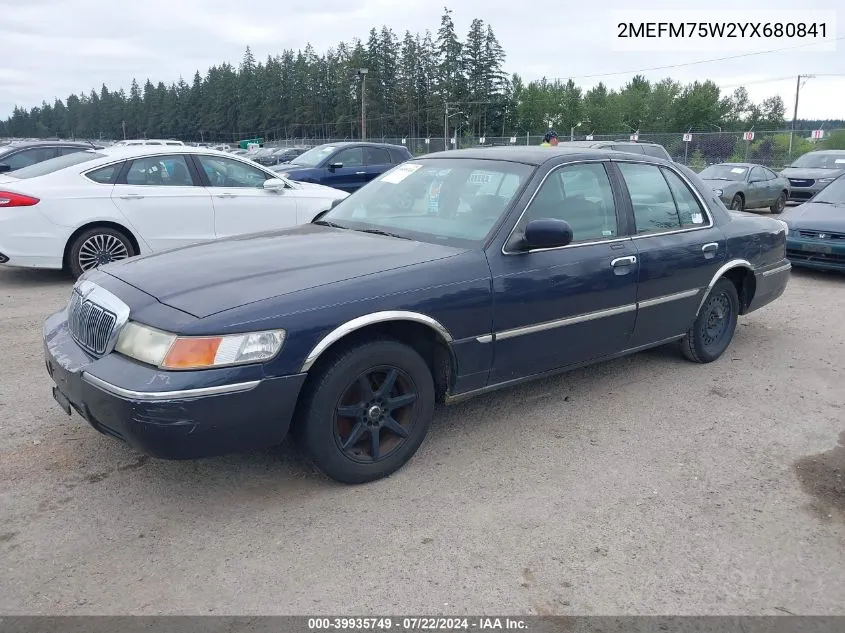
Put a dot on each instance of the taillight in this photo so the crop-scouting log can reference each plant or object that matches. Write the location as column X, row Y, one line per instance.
column 10, row 199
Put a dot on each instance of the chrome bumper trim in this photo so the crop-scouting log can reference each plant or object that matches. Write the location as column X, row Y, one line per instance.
column 181, row 394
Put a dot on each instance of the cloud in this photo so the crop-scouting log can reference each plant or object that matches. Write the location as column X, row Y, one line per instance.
column 71, row 46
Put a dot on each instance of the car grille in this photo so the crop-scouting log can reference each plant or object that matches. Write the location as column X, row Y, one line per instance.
column 90, row 325
column 801, row 182
column 822, row 235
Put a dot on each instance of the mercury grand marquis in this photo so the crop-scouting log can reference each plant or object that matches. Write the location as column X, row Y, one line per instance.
column 448, row 276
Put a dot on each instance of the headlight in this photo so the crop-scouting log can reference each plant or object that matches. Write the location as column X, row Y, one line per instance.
column 784, row 224
column 826, row 180
column 170, row 351
column 718, row 192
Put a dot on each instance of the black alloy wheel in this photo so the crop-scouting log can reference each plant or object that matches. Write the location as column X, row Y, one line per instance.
column 365, row 410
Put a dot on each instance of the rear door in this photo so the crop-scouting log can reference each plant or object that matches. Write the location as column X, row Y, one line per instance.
column 376, row 162
column 678, row 246
column 241, row 204
column 163, row 200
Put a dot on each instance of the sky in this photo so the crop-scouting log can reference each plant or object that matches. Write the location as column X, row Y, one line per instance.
column 61, row 47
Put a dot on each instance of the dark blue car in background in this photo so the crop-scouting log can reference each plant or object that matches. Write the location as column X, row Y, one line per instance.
column 449, row 276
column 347, row 166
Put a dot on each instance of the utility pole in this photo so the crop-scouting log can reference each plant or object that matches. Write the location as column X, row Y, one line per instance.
column 795, row 110
column 446, row 127
column 362, row 73
column 123, row 124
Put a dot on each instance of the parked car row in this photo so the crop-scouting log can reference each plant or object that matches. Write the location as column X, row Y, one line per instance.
column 91, row 207
column 446, row 277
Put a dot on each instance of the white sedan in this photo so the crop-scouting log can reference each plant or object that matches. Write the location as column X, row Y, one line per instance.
column 92, row 207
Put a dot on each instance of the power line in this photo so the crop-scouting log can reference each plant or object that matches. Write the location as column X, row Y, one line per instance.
column 701, row 61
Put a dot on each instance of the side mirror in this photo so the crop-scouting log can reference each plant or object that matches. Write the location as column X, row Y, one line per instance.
column 546, row 233
column 4, row 168
column 336, row 202
column 275, row 184
column 333, row 166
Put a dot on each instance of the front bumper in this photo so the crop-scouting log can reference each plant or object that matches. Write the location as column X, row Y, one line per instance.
column 815, row 253
column 170, row 415
column 800, row 193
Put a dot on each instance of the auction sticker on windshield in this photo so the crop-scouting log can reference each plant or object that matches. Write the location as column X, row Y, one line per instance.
column 738, row 170
column 400, row 173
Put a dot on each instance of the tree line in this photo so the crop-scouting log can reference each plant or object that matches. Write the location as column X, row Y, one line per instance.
column 414, row 86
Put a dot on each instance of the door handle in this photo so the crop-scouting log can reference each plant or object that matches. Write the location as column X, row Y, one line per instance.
column 132, row 196
column 225, row 195
column 623, row 261
column 712, row 246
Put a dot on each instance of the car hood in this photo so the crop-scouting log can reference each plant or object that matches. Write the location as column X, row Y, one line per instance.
column 808, row 173
column 207, row 278
column 817, row 217
column 313, row 186
column 292, row 171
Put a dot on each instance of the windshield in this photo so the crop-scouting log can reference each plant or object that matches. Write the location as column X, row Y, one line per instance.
column 314, row 157
column 441, row 200
column 834, row 193
column 821, row 160
column 55, row 164
column 723, row 172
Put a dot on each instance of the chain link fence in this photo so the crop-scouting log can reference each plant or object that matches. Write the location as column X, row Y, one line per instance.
column 695, row 149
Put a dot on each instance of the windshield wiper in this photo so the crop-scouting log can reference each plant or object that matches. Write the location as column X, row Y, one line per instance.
column 380, row 232
column 331, row 224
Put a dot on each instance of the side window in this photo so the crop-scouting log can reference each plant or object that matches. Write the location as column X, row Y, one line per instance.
column 770, row 175
column 105, row 175
column 756, row 175
column 225, row 172
column 581, row 195
column 352, row 157
column 376, row 156
column 29, row 157
column 651, row 198
column 689, row 210
column 159, row 171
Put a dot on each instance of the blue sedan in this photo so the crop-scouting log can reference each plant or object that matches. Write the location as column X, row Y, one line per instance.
column 347, row 166
column 447, row 277
column 817, row 229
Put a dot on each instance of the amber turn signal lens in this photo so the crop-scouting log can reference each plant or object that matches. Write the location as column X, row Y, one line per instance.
column 192, row 352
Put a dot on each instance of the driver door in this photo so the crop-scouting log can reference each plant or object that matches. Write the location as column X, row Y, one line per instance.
column 352, row 175
column 241, row 204
column 562, row 306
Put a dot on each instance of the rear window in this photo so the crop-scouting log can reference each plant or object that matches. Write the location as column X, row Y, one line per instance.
column 658, row 151
column 55, row 164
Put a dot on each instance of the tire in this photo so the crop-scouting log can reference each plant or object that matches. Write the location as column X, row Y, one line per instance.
column 710, row 335
column 738, row 203
column 96, row 246
column 779, row 204
column 337, row 418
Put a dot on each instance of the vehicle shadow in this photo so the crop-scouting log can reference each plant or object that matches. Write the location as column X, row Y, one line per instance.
column 28, row 277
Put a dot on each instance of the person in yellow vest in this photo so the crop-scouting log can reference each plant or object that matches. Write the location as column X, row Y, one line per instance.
column 550, row 139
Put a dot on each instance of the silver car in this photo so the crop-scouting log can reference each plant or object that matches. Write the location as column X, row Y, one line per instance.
column 747, row 186
column 812, row 172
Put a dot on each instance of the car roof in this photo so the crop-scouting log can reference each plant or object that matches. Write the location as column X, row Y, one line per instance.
column 749, row 165
column 606, row 142
column 828, row 151
column 365, row 143
column 40, row 142
column 528, row 154
column 132, row 151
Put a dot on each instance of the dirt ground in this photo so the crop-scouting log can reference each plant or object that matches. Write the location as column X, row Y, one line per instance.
column 646, row 485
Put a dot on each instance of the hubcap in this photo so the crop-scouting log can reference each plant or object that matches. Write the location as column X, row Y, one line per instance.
column 375, row 414
column 101, row 249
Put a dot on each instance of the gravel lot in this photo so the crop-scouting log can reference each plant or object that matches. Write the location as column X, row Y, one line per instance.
column 643, row 485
